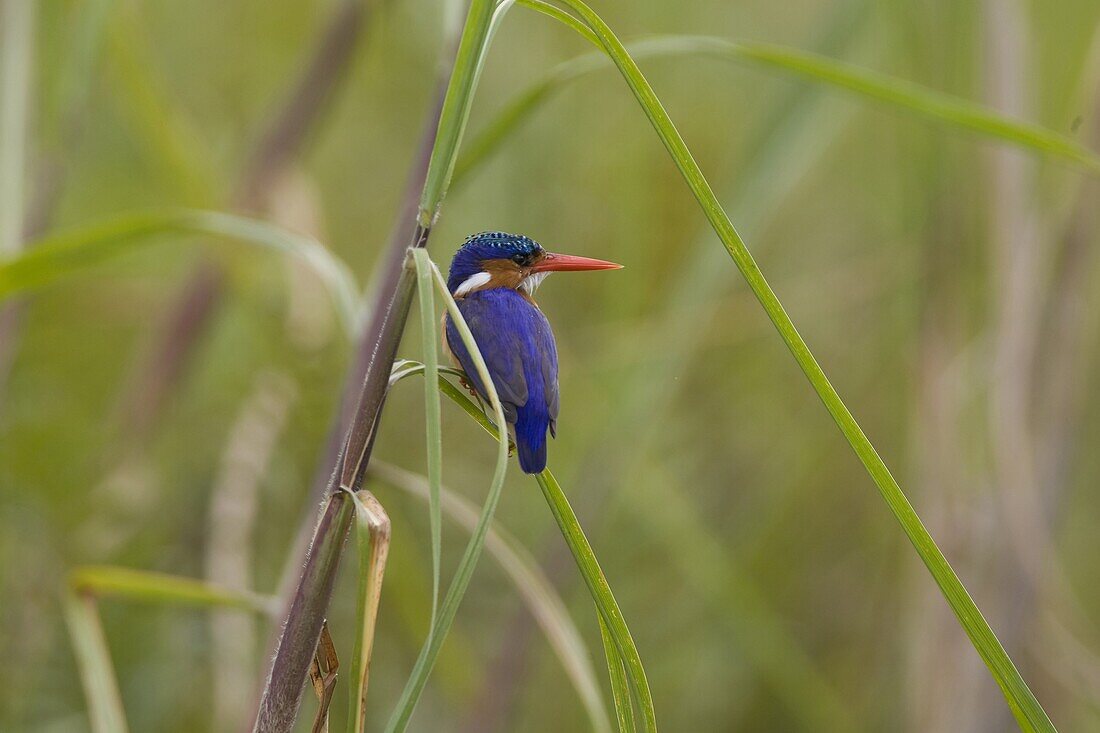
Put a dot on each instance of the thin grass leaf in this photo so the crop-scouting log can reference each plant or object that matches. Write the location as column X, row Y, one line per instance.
column 532, row 584
column 457, row 589
column 141, row 585
column 93, row 663
column 1027, row 710
column 882, row 88
column 558, row 14
column 620, row 689
column 456, row 108
column 601, row 594
column 16, row 61
column 93, row 657
column 432, row 419
column 791, row 139
column 372, row 537
column 69, row 253
column 586, row 560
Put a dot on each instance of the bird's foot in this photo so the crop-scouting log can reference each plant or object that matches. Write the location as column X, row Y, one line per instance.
column 468, row 387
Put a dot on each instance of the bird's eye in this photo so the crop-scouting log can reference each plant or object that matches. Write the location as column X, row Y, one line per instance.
column 519, row 258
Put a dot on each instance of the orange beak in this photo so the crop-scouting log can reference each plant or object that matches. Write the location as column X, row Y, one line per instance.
column 552, row 262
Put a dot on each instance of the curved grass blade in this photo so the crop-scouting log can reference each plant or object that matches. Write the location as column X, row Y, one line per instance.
column 1026, row 708
column 372, row 537
column 436, row 635
column 432, row 419
column 624, row 713
column 904, row 95
column 801, row 127
column 558, row 14
column 532, row 584
column 93, row 657
column 68, row 253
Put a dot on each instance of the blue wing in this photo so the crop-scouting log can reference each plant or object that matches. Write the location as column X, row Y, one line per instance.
column 518, row 345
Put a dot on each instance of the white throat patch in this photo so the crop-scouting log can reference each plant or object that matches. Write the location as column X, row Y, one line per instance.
column 531, row 283
column 472, row 283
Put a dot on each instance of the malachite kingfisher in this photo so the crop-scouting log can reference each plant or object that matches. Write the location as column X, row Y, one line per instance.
column 493, row 279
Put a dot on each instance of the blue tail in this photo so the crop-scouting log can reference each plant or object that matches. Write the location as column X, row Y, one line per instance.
column 531, row 440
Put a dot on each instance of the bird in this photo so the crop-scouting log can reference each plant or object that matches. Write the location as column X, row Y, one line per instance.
column 493, row 278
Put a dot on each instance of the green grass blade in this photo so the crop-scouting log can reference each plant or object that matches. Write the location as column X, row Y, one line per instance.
column 68, row 253
column 407, row 368
column 624, row 712
column 434, row 428
column 372, row 538
column 457, row 589
column 456, row 107
column 1029, row 713
column 558, row 14
column 601, row 594
column 877, row 87
column 16, row 62
column 790, row 141
column 141, row 585
column 93, row 662
column 532, row 584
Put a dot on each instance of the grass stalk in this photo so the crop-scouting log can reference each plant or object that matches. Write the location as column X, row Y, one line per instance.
column 457, row 589
column 308, row 604
column 432, row 419
column 620, row 690
column 601, row 593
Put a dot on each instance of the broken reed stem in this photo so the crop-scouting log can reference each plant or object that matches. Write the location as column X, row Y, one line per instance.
column 357, row 373
column 336, row 511
column 298, row 640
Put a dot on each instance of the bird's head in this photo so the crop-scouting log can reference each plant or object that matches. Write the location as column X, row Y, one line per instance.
column 502, row 260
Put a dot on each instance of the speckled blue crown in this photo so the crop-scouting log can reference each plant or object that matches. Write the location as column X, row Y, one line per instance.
column 487, row 246
column 512, row 243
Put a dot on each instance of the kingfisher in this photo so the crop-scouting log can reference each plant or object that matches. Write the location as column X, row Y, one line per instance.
column 493, row 278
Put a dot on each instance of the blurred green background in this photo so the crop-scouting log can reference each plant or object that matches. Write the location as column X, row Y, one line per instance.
column 945, row 282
